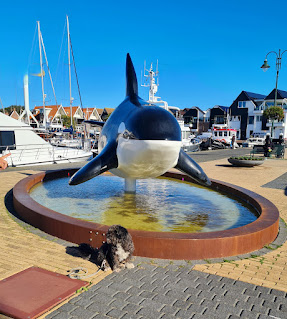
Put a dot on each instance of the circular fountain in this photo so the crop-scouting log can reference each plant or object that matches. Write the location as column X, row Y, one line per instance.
column 190, row 238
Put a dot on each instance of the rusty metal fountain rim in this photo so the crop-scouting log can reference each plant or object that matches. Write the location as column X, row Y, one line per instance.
column 268, row 213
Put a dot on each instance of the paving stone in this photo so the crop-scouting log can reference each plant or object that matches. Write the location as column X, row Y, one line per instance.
column 59, row 315
column 170, row 310
column 259, row 309
column 151, row 304
column 184, row 314
column 248, row 314
column 264, row 290
column 70, row 307
column 75, row 299
column 99, row 308
column 167, row 316
column 182, row 304
column 277, row 313
column 117, row 303
column 147, row 294
column 133, row 283
column 131, row 308
column 52, row 315
column 83, row 313
column 147, row 287
column 243, row 305
column 116, row 313
column 271, row 304
column 266, row 317
column 134, row 291
column 196, row 308
column 98, row 316
column 278, row 293
column 180, row 286
column 101, row 298
column 283, row 307
column 120, row 286
column 131, row 316
column 149, row 313
column 252, row 292
column 135, row 299
column 84, row 302
column 167, row 300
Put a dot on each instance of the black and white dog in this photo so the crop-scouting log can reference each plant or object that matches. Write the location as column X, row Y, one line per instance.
column 115, row 253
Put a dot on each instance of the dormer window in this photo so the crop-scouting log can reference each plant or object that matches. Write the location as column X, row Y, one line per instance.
column 242, row 104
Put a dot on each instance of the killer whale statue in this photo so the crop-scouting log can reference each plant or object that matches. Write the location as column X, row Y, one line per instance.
column 139, row 140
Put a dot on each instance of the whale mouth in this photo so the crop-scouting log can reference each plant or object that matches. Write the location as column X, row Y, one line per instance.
column 145, row 158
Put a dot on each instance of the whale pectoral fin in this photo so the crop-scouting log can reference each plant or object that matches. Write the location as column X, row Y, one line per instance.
column 105, row 161
column 187, row 165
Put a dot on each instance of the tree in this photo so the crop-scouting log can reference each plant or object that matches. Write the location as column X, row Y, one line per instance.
column 67, row 121
column 10, row 109
column 273, row 113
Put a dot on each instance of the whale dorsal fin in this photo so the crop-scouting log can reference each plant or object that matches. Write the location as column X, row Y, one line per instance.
column 132, row 82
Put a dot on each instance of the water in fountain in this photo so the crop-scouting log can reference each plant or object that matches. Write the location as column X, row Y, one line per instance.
column 160, row 204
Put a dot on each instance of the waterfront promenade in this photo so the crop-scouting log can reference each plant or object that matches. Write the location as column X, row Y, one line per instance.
column 252, row 286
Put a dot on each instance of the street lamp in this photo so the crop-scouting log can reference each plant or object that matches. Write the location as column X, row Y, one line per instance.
column 265, row 67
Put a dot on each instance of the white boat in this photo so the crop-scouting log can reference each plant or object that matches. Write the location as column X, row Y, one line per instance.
column 152, row 83
column 192, row 145
column 223, row 134
column 27, row 148
column 250, row 142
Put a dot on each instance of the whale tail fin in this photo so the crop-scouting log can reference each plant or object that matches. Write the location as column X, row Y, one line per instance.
column 132, row 82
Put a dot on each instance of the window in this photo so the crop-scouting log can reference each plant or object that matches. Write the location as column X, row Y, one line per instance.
column 225, row 133
column 219, row 119
column 7, row 139
column 242, row 104
column 250, row 119
column 258, row 118
column 220, row 133
column 215, row 133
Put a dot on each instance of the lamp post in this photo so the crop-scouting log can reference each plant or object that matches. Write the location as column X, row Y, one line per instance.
column 265, row 67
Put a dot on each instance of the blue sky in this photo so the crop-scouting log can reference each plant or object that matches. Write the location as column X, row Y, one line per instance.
column 208, row 51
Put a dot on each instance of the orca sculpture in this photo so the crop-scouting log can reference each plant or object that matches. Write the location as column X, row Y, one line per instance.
column 139, row 140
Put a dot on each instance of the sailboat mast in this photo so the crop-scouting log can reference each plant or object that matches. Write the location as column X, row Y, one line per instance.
column 69, row 59
column 42, row 75
column 2, row 106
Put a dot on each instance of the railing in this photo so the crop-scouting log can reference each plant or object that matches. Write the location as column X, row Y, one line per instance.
column 40, row 153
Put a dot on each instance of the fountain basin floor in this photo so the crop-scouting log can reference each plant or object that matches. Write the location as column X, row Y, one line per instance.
column 159, row 204
column 165, row 245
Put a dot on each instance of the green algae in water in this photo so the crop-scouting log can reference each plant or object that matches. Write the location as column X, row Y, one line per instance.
column 160, row 204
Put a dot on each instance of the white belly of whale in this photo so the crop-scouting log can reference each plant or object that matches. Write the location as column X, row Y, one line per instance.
column 145, row 158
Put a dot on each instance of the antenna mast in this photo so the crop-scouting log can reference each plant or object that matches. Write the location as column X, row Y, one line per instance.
column 152, row 78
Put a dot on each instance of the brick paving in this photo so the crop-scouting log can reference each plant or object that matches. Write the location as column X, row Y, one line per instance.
column 149, row 291
column 248, row 286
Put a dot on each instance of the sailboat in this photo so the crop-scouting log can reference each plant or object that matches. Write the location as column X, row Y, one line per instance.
column 25, row 146
column 28, row 148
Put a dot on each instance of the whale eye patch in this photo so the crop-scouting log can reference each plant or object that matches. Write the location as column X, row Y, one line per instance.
column 128, row 135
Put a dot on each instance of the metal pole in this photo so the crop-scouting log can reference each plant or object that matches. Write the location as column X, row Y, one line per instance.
column 69, row 59
column 278, row 66
column 42, row 75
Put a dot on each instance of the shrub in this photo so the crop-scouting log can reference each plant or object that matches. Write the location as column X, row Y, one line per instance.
column 247, row 158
